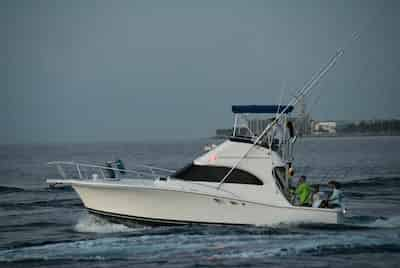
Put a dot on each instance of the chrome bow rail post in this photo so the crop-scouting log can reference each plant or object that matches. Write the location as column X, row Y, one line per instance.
column 80, row 168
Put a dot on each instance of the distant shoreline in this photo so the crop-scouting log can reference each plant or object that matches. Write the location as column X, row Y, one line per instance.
column 353, row 135
column 335, row 136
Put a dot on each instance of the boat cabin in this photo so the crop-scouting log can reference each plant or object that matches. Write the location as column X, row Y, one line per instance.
column 259, row 152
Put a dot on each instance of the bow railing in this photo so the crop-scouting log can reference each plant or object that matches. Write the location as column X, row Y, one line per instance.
column 82, row 171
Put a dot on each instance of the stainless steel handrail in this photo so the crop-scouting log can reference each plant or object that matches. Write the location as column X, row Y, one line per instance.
column 78, row 166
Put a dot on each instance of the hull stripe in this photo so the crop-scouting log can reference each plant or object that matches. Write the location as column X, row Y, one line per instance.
column 156, row 220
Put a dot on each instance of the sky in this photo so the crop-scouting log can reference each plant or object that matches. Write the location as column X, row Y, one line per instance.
column 89, row 71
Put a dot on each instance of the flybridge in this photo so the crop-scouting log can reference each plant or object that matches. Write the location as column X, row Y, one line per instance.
column 261, row 109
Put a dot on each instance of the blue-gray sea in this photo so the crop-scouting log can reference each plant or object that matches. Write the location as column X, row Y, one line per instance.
column 41, row 227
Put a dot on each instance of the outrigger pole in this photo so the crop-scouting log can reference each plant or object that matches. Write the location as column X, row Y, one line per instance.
column 302, row 92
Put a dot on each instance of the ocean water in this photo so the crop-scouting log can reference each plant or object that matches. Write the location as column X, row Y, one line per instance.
column 41, row 227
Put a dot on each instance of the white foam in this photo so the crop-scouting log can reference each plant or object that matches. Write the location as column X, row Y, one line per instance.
column 156, row 247
column 307, row 245
column 93, row 224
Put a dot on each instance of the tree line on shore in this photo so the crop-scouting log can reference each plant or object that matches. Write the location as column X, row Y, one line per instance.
column 372, row 126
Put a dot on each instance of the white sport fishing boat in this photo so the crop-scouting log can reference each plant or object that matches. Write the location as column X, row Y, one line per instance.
column 242, row 181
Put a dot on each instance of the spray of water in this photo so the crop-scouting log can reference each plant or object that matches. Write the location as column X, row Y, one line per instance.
column 92, row 224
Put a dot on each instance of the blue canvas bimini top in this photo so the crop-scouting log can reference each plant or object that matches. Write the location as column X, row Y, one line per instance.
column 260, row 109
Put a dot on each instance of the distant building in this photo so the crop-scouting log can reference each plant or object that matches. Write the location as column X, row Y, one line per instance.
column 302, row 119
column 323, row 128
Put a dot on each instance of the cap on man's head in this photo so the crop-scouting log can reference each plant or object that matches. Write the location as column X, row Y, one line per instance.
column 334, row 183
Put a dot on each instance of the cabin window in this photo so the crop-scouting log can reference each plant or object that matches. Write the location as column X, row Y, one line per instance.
column 215, row 174
column 280, row 177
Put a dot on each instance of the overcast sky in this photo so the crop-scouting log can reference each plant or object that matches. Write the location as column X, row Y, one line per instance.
column 78, row 71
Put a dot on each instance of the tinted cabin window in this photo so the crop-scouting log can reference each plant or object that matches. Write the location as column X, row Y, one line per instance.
column 279, row 173
column 281, row 180
column 215, row 174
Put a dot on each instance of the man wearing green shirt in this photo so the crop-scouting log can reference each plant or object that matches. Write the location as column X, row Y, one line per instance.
column 303, row 192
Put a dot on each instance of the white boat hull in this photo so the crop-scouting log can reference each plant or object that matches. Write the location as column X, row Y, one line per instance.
column 166, row 206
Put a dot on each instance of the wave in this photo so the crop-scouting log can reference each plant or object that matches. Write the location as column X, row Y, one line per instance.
column 11, row 189
column 344, row 246
column 381, row 222
column 154, row 249
column 94, row 224
column 370, row 222
column 57, row 203
column 8, row 189
column 319, row 245
column 375, row 189
column 41, row 224
column 16, row 246
column 351, row 223
column 371, row 182
column 340, row 249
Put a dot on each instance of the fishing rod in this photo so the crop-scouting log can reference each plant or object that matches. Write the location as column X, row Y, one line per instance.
column 300, row 93
column 303, row 92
